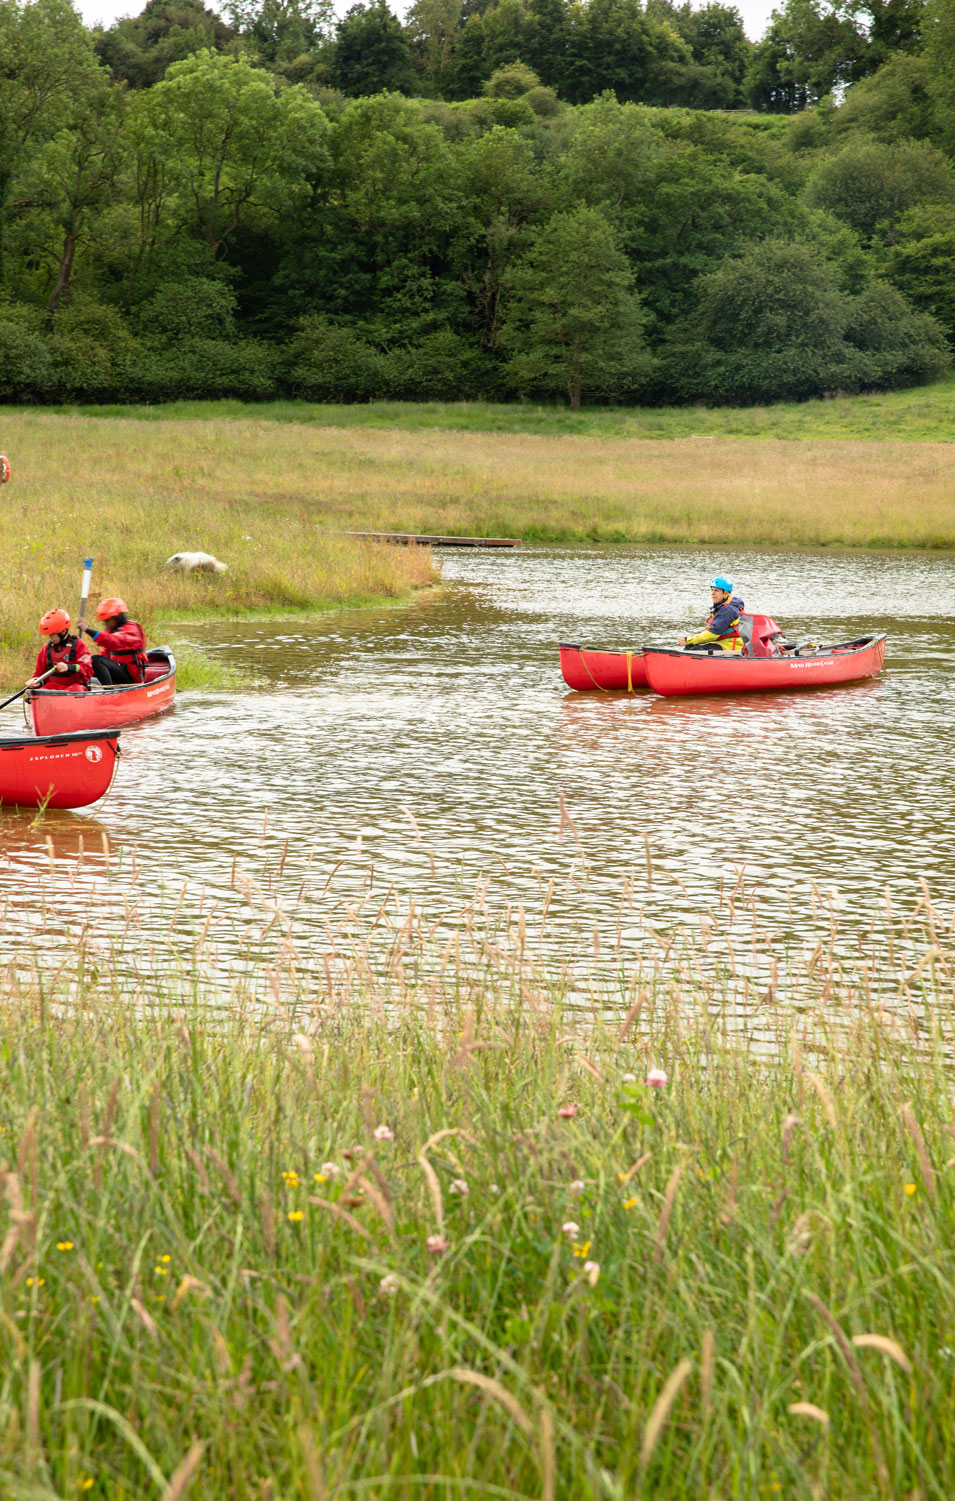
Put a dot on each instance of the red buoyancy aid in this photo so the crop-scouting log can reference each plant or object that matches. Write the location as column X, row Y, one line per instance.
column 75, row 654
column 126, row 645
column 733, row 633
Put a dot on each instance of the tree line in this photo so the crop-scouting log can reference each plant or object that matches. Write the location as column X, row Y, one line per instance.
column 526, row 198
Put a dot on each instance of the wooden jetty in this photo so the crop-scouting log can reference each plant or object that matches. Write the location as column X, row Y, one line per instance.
column 411, row 538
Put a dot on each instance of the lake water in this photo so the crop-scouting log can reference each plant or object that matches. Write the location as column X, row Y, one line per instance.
column 435, row 750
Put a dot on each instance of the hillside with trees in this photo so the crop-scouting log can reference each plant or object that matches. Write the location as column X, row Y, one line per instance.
column 604, row 200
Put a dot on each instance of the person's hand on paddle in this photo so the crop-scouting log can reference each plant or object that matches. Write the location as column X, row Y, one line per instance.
column 62, row 667
column 34, row 682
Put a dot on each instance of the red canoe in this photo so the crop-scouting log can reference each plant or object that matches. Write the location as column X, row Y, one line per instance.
column 57, row 771
column 675, row 671
column 58, row 711
column 611, row 671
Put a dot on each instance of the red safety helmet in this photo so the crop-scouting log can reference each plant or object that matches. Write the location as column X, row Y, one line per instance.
column 108, row 609
column 53, row 622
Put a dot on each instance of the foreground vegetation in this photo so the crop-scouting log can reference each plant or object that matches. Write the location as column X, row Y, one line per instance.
column 133, row 506
column 420, row 1226
column 258, row 493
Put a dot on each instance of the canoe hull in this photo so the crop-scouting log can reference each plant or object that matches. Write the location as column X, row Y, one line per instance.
column 676, row 673
column 58, row 712
column 57, row 771
column 586, row 670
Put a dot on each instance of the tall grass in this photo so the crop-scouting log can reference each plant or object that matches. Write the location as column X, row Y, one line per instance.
column 245, row 485
column 133, row 505
column 423, row 1228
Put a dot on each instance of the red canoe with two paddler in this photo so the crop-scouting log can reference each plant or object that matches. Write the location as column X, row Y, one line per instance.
column 765, row 663
column 54, row 711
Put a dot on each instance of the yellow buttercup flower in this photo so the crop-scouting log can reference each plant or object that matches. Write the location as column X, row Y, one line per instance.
column 64, row 1245
column 295, row 1215
column 36, row 1281
column 629, row 1203
column 911, row 1188
column 581, row 1249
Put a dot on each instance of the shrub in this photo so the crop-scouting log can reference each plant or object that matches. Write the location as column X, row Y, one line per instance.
column 328, row 362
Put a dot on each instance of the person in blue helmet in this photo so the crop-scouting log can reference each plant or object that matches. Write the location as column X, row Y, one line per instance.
column 722, row 628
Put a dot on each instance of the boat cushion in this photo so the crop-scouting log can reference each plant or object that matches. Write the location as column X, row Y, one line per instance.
column 156, row 670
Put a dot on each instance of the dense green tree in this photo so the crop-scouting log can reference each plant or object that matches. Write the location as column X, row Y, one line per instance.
column 433, row 27
column 940, row 58
column 47, row 73
column 810, row 48
column 720, row 52
column 505, row 195
column 236, row 142
column 869, row 185
column 140, row 48
column 893, row 104
column 613, row 44
column 372, row 53
column 921, row 260
column 572, row 323
column 545, row 41
column 282, row 30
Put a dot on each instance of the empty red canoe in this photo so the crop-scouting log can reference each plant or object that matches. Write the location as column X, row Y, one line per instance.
column 674, row 671
column 58, row 711
column 611, row 671
column 57, row 771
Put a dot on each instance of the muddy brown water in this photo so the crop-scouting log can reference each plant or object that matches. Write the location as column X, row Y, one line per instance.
column 427, row 749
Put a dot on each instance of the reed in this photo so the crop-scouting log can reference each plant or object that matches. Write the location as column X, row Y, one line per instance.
column 286, row 1222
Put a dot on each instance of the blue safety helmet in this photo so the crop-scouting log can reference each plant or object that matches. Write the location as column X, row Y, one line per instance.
column 721, row 583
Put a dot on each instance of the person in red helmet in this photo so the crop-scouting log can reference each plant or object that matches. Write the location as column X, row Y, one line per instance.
column 64, row 654
column 122, row 645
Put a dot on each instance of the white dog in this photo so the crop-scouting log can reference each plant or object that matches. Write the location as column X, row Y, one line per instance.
column 195, row 562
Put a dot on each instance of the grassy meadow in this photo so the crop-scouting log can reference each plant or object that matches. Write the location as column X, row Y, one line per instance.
column 133, row 505
column 424, row 1228
column 260, row 493
column 923, row 414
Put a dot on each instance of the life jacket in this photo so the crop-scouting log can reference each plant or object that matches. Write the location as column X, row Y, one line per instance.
column 732, row 634
column 132, row 658
column 70, row 659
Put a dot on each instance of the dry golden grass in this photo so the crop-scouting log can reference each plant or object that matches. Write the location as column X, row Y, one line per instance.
column 81, row 488
column 169, row 484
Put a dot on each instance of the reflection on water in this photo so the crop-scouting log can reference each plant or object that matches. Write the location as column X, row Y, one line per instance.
column 429, row 749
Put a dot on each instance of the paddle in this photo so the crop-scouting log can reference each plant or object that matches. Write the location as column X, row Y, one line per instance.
column 13, row 697
column 84, row 593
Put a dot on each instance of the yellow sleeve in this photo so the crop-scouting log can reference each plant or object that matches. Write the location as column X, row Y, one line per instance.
column 700, row 637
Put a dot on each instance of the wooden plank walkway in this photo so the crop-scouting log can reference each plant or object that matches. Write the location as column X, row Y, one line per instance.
column 412, row 537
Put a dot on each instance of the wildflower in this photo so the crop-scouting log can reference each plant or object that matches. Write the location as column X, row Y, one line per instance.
column 36, row 1281
column 388, row 1285
column 164, row 1259
column 495, row 1188
column 295, row 1215
column 911, row 1188
column 327, row 1170
column 570, row 1228
column 161, row 1271
column 656, row 1078
column 629, row 1203
column 582, row 1250
column 567, row 1112
column 628, row 1078
column 436, row 1244
column 292, row 1179
column 64, row 1245
column 458, row 1186
column 592, row 1272
column 384, row 1133
column 577, row 1187
column 86, row 1485
column 93, row 1298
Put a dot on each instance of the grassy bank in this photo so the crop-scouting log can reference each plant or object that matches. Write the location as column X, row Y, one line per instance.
column 427, row 1231
column 132, row 505
column 925, row 414
column 258, row 493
